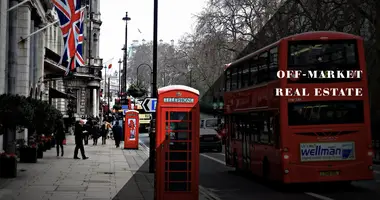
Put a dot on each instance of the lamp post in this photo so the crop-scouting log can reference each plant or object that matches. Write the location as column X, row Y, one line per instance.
column 120, row 76
column 126, row 19
column 152, row 135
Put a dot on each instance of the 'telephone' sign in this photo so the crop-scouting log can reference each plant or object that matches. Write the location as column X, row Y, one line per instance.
column 178, row 100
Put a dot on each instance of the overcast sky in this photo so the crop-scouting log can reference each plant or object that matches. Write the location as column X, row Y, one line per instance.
column 175, row 18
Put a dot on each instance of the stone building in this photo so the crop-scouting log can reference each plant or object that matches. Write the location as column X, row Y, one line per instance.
column 30, row 49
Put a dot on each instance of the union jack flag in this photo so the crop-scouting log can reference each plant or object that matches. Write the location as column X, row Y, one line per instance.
column 71, row 18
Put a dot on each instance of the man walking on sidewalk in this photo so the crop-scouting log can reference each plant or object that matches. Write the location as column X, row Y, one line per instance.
column 59, row 137
column 117, row 133
column 79, row 140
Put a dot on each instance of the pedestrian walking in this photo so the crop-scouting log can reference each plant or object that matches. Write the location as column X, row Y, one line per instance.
column 95, row 133
column 117, row 133
column 88, row 128
column 104, row 132
column 79, row 140
column 59, row 137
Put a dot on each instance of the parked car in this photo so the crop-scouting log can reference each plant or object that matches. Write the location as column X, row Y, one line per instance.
column 209, row 137
column 216, row 124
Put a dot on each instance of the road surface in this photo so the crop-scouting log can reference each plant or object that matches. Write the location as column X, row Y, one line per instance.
column 223, row 183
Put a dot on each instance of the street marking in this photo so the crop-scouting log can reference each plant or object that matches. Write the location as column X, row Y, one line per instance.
column 208, row 193
column 214, row 159
column 318, row 196
column 307, row 193
column 144, row 145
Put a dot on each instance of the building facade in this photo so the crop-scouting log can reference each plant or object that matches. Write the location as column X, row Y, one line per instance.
column 30, row 48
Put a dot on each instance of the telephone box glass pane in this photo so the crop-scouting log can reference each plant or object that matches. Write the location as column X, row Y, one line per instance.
column 176, row 176
column 179, row 116
column 179, row 146
column 178, row 186
column 177, row 156
column 178, row 166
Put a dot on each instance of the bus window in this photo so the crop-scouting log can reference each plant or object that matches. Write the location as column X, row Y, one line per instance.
column 276, row 130
column 273, row 64
column 233, row 127
column 263, row 68
column 255, row 126
column 227, row 86
column 323, row 55
column 234, row 78
column 263, row 123
column 253, row 72
column 239, row 75
column 326, row 112
column 245, row 76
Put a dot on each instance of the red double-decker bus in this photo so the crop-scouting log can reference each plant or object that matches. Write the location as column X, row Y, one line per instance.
column 295, row 139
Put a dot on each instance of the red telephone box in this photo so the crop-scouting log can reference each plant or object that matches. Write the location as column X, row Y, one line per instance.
column 131, row 129
column 177, row 143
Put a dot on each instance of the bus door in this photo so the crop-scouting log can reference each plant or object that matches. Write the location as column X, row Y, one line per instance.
column 245, row 143
column 233, row 140
column 227, row 145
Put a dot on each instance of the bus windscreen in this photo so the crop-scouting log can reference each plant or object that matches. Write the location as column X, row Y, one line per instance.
column 335, row 55
column 325, row 112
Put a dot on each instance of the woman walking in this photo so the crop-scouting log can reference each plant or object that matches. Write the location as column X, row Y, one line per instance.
column 59, row 137
column 104, row 132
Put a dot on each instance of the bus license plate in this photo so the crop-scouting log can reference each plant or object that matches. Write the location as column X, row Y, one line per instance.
column 329, row 173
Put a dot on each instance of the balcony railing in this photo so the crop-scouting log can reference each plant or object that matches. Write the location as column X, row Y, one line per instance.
column 95, row 62
column 84, row 70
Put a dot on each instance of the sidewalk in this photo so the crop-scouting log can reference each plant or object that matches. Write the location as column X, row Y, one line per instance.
column 109, row 173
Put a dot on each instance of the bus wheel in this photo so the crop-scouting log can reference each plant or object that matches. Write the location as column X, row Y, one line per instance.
column 265, row 169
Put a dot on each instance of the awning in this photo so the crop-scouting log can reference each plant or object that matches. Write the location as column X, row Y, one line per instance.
column 55, row 94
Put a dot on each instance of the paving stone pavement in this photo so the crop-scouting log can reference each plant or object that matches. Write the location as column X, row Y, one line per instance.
column 110, row 173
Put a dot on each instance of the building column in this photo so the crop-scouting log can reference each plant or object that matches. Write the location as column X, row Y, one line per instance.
column 22, row 60
column 32, row 57
column 3, row 50
column 94, row 102
column 3, row 53
column 39, row 59
column 97, row 101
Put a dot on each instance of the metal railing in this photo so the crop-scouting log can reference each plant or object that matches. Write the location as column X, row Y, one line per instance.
column 96, row 17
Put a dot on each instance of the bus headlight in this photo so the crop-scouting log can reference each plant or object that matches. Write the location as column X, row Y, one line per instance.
column 370, row 167
column 286, row 171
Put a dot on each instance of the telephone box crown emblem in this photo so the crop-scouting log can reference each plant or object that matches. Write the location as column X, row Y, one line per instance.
column 178, row 94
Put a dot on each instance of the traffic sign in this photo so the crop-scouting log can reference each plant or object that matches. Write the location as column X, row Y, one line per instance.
column 149, row 104
column 124, row 108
